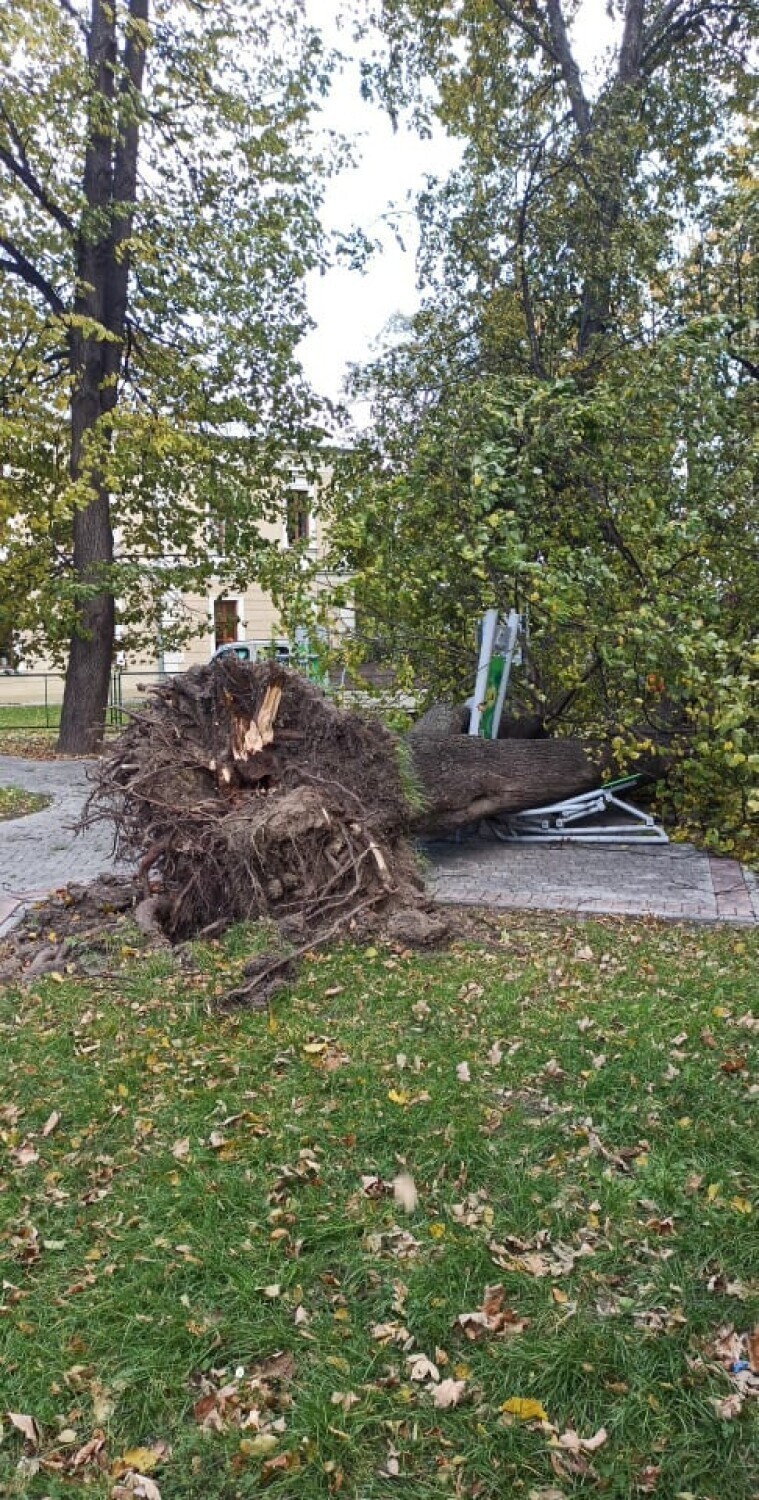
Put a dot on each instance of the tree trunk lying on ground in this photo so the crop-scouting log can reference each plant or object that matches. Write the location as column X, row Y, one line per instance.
column 465, row 779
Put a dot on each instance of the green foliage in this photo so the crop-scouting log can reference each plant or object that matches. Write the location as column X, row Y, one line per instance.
column 224, row 229
column 567, row 426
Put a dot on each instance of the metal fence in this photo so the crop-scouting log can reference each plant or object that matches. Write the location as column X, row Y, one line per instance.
column 31, row 701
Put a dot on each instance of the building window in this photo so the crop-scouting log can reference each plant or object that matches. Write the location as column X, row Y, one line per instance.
column 226, row 618
column 298, row 520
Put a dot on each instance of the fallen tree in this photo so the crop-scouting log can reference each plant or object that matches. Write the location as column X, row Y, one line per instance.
column 465, row 780
column 242, row 792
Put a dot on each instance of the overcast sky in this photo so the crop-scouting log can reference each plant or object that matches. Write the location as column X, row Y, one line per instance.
column 351, row 308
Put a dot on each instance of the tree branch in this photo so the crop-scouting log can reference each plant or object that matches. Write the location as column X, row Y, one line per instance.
column 21, row 170
column 18, row 265
column 509, row 13
column 632, row 42
column 563, row 55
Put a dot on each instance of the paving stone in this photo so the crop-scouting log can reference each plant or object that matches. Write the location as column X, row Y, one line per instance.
column 42, row 852
column 670, row 881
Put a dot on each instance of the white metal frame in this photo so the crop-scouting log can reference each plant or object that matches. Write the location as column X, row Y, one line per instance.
column 536, row 825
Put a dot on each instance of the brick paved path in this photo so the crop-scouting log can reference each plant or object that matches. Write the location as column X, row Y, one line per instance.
column 41, row 852
column 672, row 881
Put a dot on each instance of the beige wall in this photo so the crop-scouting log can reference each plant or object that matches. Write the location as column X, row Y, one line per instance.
column 258, row 621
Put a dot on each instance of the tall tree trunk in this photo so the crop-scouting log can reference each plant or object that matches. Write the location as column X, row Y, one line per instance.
column 110, row 189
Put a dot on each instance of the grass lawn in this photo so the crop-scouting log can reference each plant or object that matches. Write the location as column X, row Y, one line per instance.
column 16, row 803
column 36, row 716
column 217, row 1276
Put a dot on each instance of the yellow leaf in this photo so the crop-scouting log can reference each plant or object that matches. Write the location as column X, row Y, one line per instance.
column 559, row 1296
column 527, row 1409
column 713, row 1191
column 742, row 1205
column 437, row 1231
column 312, row 1049
column 142, row 1459
column 266, row 1442
column 398, row 1096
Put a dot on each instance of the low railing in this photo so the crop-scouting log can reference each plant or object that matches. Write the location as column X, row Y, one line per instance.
column 31, row 701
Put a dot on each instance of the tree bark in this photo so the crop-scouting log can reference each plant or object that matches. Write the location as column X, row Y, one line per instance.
column 110, row 190
column 464, row 779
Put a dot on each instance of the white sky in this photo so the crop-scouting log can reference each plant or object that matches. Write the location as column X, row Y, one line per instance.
column 351, row 308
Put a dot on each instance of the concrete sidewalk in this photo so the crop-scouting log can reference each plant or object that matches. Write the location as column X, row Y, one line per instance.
column 41, row 853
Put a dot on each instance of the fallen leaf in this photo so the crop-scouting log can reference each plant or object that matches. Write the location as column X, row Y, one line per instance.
column 525, row 1408
column 135, row 1486
column 405, row 1193
column 181, row 1149
column 492, row 1318
column 576, row 1444
column 51, row 1122
column 145, row 1459
column 25, row 1155
column 344, row 1399
column 495, row 1054
column 729, row 1407
column 259, row 1446
column 27, row 1425
column 448, row 1393
column 462, row 1072
column 753, row 1349
column 422, row 1368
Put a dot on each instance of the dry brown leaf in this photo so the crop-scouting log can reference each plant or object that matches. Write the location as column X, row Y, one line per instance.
column 729, row 1407
column 181, row 1149
column 462, row 1072
column 88, row 1451
column 27, row 1425
column 51, row 1122
column 492, row 1318
column 25, row 1155
column 576, row 1444
column 135, row 1486
column 448, row 1393
column 422, row 1368
column 753, row 1349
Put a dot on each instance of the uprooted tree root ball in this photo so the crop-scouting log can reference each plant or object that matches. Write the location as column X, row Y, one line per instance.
column 245, row 793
